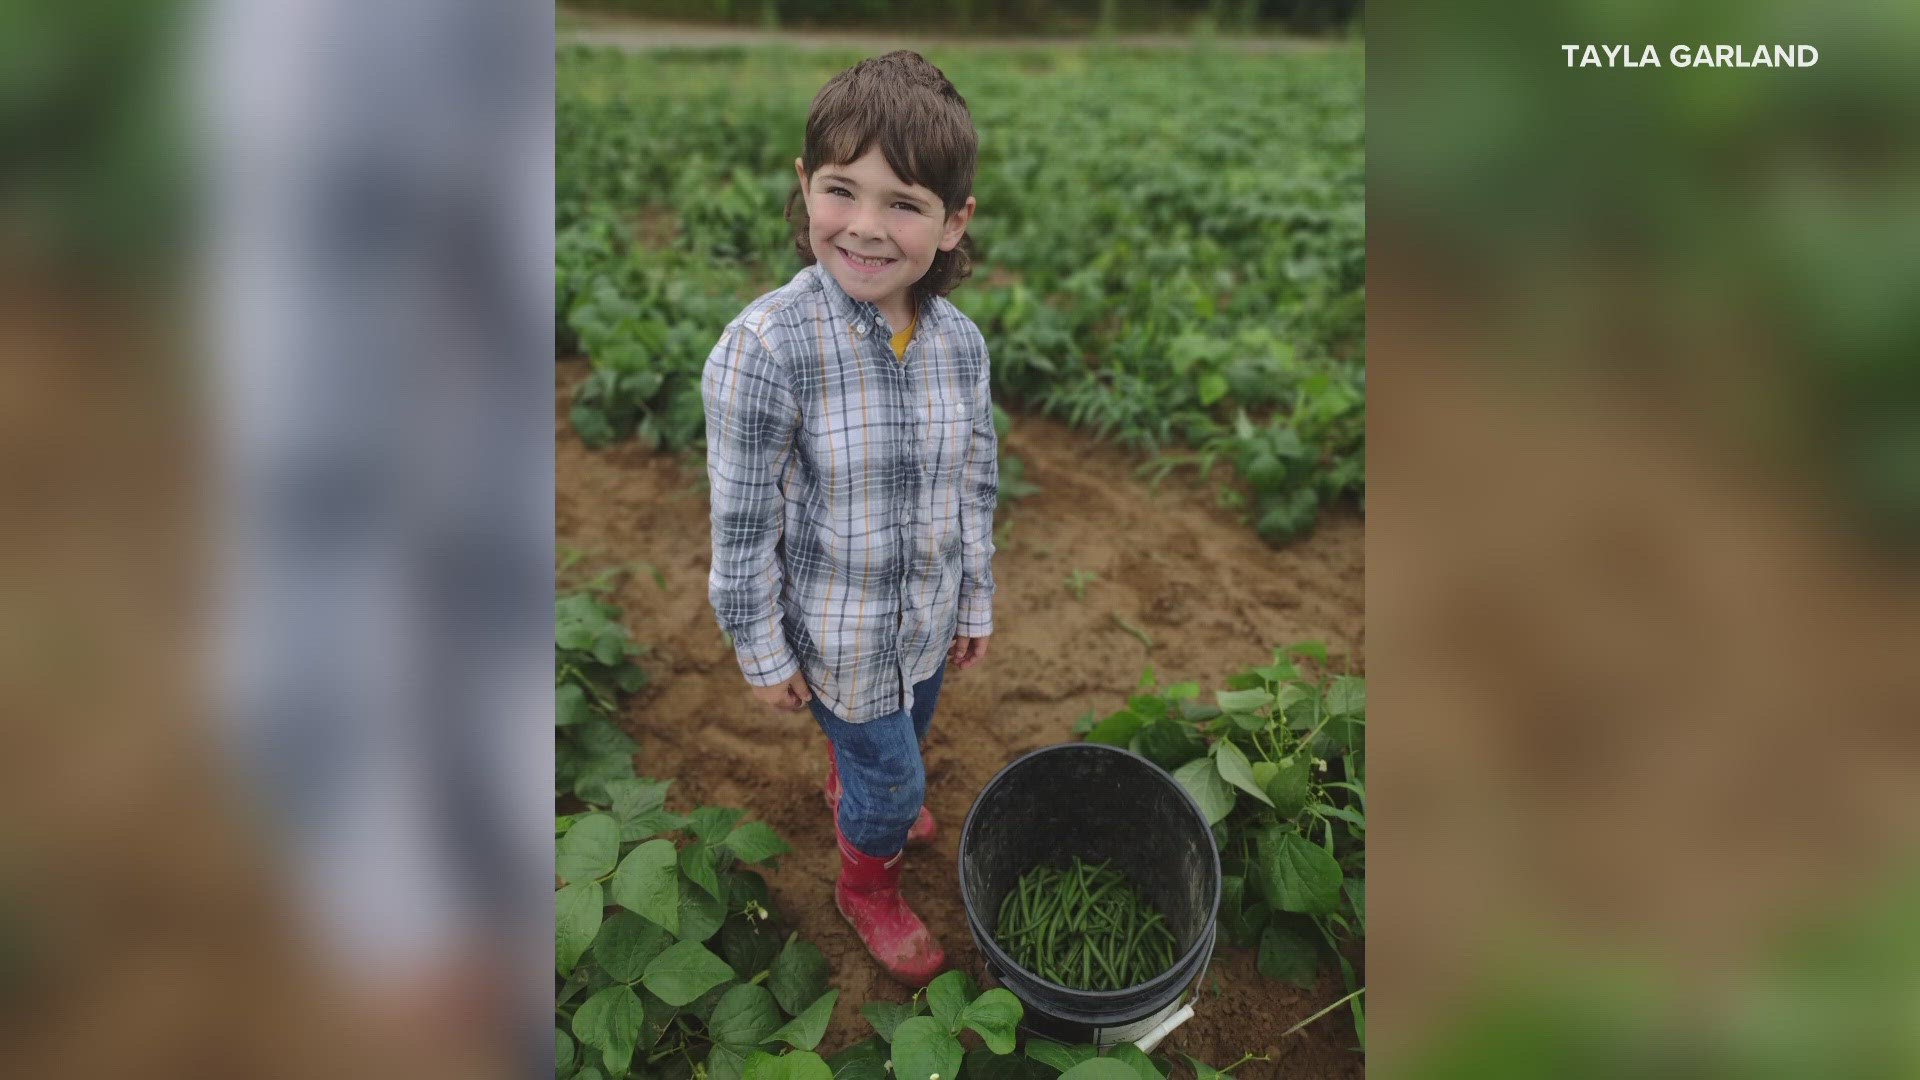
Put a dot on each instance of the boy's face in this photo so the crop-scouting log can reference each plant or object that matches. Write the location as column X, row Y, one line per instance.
column 876, row 233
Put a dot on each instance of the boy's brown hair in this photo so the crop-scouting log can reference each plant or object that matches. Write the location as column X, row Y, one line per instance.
column 907, row 107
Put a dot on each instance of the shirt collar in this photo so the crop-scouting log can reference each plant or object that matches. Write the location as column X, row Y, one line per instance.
column 853, row 312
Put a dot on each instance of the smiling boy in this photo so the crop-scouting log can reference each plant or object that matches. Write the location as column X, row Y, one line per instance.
column 854, row 470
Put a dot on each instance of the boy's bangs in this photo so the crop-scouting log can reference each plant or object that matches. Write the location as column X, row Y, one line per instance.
column 910, row 157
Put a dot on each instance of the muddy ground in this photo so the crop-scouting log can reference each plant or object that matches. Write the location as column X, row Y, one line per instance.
column 1213, row 597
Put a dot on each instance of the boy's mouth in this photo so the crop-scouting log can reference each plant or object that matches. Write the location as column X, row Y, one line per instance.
column 862, row 263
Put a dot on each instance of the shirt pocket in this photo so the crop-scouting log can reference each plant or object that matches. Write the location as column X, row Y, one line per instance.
column 948, row 437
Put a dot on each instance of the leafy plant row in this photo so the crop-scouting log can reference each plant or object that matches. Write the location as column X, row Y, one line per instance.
column 1172, row 247
column 1277, row 763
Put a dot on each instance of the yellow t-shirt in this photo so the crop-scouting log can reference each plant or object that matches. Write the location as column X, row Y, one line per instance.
column 901, row 339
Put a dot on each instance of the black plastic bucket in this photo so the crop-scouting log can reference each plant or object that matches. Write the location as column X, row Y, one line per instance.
column 1097, row 802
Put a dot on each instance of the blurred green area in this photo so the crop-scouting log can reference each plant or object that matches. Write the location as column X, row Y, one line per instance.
column 93, row 137
column 1003, row 16
column 1833, row 996
column 1171, row 244
column 1744, row 241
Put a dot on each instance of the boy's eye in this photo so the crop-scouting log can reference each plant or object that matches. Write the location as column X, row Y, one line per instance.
column 843, row 192
column 907, row 206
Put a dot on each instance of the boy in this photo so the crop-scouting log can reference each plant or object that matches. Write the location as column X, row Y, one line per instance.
column 854, row 470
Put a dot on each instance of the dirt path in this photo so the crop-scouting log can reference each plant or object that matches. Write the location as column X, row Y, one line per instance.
column 632, row 35
column 1212, row 596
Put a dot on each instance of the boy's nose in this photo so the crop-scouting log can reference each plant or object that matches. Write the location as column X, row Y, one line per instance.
column 864, row 223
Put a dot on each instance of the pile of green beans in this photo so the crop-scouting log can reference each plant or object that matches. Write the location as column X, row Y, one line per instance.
column 1083, row 928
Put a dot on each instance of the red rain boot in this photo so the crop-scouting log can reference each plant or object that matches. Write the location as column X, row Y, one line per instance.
column 923, row 829
column 868, row 896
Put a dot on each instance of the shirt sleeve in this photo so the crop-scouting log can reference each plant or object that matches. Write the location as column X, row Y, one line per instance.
column 979, row 493
column 752, row 416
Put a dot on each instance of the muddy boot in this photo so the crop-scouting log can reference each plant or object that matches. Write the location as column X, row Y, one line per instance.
column 923, row 829
column 868, row 896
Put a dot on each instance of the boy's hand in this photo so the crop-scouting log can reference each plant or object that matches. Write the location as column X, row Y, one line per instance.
column 789, row 696
column 967, row 651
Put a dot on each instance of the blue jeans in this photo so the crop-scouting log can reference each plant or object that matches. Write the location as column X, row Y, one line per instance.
column 883, row 780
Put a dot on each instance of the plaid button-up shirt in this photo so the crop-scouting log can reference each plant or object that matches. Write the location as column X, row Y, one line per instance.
column 852, row 493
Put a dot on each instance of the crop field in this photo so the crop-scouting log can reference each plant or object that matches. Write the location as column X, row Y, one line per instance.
column 1172, row 247
column 1171, row 284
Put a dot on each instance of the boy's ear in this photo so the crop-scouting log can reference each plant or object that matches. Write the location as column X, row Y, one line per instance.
column 800, row 170
column 956, row 226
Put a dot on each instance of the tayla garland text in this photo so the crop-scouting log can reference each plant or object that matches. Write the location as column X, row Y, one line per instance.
column 1713, row 56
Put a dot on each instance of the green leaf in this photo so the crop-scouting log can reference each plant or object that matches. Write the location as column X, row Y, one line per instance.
column 1058, row 1056
column 799, row 976
column 1251, row 722
column 922, row 1048
column 1243, row 700
column 1134, row 1058
column 650, row 823
column 609, row 1022
column 984, row 1064
column 885, row 1016
column 1235, row 769
column 798, row 1065
column 864, row 1060
column 1212, row 388
column 589, row 1073
column 745, row 885
column 648, row 883
column 1100, row 1069
column 1148, row 706
column 696, row 861
column 755, row 842
column 804, row 1031
column 611, row 645
column 562, row 1053
column 745, row 1016
column 577, row 910
column 700, row 915
column 1349, row 816
column 588, row 850
column 1289, row 696
column 1296, row 874
column 947, row 996
column 1278, row 671
column 1347, row 696
column 684, row 972
column 1195, row 712
column 1312, row 650
column 570, row 706
column 631, row 800
column 748, row 946
column 1170, row 743
column 1290, row 785
column 728, row 1061
column 1117, row 729
column 627, row 944
column 713, row 823
column 994, row 1015
column 1183, row 691
column 1288, row 955
column 1201, row 778
column 1240, row 921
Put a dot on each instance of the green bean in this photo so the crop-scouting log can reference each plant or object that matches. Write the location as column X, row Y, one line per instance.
column 1082, row 925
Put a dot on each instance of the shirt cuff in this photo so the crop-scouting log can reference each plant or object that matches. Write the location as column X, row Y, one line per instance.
column 766, row 663
column 976, row 615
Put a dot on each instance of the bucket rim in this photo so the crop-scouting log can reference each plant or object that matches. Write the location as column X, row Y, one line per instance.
column 1203, row 942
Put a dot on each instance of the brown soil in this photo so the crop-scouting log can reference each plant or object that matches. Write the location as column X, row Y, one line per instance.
column 1213, row 597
